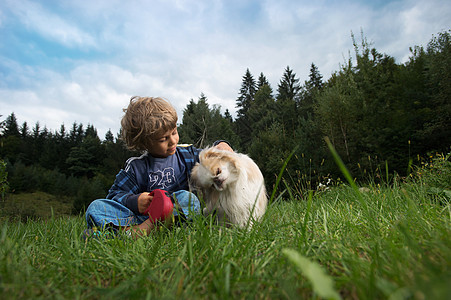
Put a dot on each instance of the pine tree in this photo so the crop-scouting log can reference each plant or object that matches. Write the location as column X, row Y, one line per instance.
column 62, row 133
column 246, row 97
column 109, row 137
column 262, row 111
column 202, row 124
column 288, row 88
column 437, row 130
column 339, row 108
column 287, row 94
column 247, row 93
column 11, row 126
column 2, row 125
column 36, row 131
column 194, row 127
column 309, row 91
column 24, row 131
column 86, row 159
column 228, row 116
column 91, row 131
column 10, row 142
column 262, row 81
column 62, row 148
column 315, row 78
column 25, row 154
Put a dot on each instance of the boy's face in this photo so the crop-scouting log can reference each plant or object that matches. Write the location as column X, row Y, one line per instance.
column 165, row 144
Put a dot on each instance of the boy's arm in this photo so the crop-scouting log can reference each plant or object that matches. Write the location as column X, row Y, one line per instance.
column 223, row 145
column 125, row 190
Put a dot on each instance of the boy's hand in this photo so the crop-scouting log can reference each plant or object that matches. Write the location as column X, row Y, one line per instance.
column 144, row 201
column 224, row 146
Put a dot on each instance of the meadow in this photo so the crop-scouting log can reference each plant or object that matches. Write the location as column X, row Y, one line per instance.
column 384, row 241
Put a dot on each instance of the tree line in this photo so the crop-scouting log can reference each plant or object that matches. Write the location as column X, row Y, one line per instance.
column 378, row 114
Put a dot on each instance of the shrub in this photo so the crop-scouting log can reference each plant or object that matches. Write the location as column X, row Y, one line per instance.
column 435, row 173
column 22, row 178
column 88, row 191
column 3, row 180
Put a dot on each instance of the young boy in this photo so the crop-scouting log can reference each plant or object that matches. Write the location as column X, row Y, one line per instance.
column 150, row 126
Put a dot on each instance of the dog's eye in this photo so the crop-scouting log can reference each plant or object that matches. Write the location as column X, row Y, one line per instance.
column 218, row 171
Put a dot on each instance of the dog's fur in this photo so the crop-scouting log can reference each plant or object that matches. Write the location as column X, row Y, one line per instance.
column 232, row 185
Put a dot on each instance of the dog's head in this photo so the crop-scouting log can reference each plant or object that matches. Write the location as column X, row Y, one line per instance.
column 217, row 169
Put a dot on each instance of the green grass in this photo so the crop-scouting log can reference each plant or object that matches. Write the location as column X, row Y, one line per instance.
column 391, row 242
column 36, row 205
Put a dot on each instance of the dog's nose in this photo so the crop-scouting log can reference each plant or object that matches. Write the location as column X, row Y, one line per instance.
column 218, row 181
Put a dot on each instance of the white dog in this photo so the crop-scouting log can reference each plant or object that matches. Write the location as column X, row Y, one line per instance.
column 232, row 184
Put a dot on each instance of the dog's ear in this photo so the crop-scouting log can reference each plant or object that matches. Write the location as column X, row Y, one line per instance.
column 234, row 162
column 212, row 153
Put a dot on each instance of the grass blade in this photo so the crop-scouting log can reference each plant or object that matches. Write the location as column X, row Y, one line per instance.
column 347, row 174
column 341, row 164
column 321, row 282
column 279, row 177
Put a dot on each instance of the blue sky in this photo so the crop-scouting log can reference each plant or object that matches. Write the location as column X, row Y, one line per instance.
column 81, row 60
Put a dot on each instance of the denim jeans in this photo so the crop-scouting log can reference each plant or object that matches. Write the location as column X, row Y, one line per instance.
column 104, row 212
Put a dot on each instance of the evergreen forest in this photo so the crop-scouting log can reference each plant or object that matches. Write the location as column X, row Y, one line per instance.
column 381, row 116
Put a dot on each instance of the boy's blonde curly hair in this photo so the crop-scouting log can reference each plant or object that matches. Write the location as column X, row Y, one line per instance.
column 145, row 119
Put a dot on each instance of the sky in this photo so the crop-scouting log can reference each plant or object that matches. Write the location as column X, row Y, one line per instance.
column 81, row 61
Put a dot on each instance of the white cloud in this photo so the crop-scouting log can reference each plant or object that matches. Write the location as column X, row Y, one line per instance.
column 423, row 19
column 49, row 25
